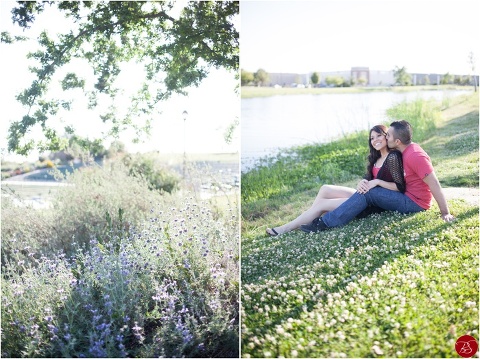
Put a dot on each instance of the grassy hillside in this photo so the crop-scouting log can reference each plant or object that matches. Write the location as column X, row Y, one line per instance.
column 390, row 285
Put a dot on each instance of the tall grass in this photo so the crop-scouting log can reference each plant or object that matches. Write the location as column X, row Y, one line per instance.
column 421, row 114
column 114, row 269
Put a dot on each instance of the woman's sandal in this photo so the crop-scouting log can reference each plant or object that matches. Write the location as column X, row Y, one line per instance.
column 274, row 234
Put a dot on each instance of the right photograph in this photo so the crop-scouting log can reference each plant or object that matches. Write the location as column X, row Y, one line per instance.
column 359, row 179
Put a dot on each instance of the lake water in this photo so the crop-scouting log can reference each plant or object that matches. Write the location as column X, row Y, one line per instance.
column 269, row 124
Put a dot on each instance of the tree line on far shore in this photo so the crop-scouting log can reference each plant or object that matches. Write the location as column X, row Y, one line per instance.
column 401, row 78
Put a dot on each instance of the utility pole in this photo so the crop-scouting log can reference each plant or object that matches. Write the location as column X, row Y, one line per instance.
column 184, row 114
column 472, row 60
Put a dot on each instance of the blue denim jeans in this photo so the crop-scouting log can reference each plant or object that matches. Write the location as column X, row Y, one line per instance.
column 377, row 196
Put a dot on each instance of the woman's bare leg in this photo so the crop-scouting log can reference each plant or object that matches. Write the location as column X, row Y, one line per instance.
column 332, row 192
column 328, row 198
column 325, row 205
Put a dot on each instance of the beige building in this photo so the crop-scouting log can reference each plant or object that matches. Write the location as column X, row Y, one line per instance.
column 361, row 76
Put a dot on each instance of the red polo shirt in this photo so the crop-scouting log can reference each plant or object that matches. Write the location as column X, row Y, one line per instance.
column 417, row 165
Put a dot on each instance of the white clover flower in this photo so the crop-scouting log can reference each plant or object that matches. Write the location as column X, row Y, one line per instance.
column 377, row 350
column 470, row 304
column 270, row 338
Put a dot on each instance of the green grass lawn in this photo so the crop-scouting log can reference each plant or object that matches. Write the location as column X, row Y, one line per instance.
column 177, row 158
column 253, row 91
column 25, row 190
column 390, row 285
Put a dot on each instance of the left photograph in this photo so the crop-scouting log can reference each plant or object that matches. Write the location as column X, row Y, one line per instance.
column 120, row 193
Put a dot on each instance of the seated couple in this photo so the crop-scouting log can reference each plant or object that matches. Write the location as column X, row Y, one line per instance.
column 400, row 177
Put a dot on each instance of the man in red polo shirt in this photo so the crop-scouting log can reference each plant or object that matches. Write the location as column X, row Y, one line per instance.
column 420, row 179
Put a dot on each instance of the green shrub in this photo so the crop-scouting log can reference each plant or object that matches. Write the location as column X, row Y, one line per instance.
column 157, row 177
column 95, row 202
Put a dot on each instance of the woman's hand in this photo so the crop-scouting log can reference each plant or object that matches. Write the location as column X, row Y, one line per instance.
column 364, row 186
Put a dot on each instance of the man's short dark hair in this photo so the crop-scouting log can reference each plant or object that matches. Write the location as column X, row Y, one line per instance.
column 403, row 131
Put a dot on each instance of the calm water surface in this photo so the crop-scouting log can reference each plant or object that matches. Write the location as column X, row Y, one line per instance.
column 272, row 123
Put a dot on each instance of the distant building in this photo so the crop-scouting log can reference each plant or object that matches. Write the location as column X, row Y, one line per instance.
column 381, row 78
column 359, row 76
column 288, row 79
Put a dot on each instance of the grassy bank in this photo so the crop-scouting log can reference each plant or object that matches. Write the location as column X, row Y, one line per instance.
column 389, row 285
column 448, row 131
column 252, row 91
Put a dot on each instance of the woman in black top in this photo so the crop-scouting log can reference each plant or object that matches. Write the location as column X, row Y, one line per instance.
column 384, row 169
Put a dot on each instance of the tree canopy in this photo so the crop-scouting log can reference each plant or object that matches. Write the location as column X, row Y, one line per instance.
column 175, row 50
column 246, row 77
column 402, row 77
column 261, row 77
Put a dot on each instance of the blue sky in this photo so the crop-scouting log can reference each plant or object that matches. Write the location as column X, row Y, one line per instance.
column 324, row 35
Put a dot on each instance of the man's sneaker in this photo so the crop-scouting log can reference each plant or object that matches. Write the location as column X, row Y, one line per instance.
column 317, row 225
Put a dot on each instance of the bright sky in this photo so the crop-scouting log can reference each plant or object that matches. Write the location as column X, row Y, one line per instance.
column 426, row 36
column 211, row 107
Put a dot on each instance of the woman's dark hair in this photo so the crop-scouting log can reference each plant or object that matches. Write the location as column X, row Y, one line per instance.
column 374, row 154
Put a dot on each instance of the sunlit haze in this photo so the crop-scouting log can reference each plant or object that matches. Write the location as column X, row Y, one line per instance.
column 424, row 36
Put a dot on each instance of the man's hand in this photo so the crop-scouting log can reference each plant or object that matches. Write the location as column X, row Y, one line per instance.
column 448, row 217
column 432, row 182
